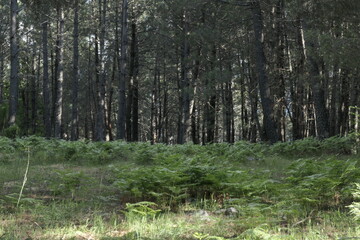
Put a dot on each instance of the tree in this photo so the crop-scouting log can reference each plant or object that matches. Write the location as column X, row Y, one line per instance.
column 123, row 73
column 75, row 83
column 100, row 72
column 266, row 100
column 14, row 63
column 59, row 72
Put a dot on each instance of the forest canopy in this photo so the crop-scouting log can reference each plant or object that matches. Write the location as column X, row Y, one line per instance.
column 177, row 71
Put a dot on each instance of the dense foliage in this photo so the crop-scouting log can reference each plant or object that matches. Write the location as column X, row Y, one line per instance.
column 175, row 174
column 248, row 189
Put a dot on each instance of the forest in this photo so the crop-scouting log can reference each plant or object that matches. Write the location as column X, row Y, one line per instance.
column 179, row 119
column 175, row 71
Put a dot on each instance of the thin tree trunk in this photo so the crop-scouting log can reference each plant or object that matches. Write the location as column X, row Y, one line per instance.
column 153, row 114
column 59, row 74
column 75, row 80
column 333, row 100
column 88, row 97
column 345, row 103
column 244, row 126
column 165, row 109
column 280, row 66
column 210, row 107
column 25, row 103
column 354, row 96
column 110, row 98
column 53, row 84
column 100, row 66
column 297, row 87
column 228, row 107
column 254, row 127
column 2, row 67
column 184, row 84
column 135, row 86
column 33, row 90
column 195, row 133
column 131, row 84
column 14, row 63
column 123, row 73
column 270, row 127
column 46, row 81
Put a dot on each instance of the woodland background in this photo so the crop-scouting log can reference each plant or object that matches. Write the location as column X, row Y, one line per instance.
column 176, row 71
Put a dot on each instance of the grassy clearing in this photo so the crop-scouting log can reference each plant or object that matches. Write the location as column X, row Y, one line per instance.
column 84, row 190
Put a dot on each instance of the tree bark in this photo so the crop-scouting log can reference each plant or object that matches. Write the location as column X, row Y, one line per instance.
column 59, row 74
column 46, row 81
column 270, row 127
column 318, row 93
column 280, row 66
column 33, row 90
column 123, row 73
column 100, row 66
column 14, row 63
column 135, row 86
column 195, row 115
column 297, row 89
column 75, row 80
column 132, row 116
column 2, row 67
column 211, row 99
column 184, row 84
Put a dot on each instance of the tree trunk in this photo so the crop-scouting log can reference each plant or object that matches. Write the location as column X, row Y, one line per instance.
column 195, row 115
column 2, row 67
column 354, row 96
column 99, row 51
column 59, row 74
column 135, row 86
column 270, row 127
column 318, row 93
column 228, row 106
column 184, row 84
column 297, row 89
column 123, row 73
column 75, row 80
column 33, row 90
column 132, row 117
column 244, row 125
column 88, row 96
column 344, row 103
column 46, row 82
column 335, row 86
column 280, row 66
column 254, row 127
column 14, row 63
column 211, row 99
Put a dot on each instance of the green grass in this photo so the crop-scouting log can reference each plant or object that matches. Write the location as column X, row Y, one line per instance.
column 85, row 190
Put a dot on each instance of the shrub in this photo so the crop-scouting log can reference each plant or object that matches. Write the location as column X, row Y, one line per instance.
column 355, row 206
column 322, row 183
column 12, row 131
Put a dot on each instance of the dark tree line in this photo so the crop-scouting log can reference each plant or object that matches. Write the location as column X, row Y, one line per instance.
column 174, row 71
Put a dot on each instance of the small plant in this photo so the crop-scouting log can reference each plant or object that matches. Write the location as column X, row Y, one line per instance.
column 203, row 236
column 355, row 206
column 67, row 182
column 142, row 210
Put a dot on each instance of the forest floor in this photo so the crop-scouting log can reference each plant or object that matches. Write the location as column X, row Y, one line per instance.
column 154, row 193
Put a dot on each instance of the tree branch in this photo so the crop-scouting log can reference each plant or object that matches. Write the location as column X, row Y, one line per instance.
column 237, row 3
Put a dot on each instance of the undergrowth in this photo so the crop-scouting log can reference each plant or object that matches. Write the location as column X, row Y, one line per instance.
column 273, row 190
